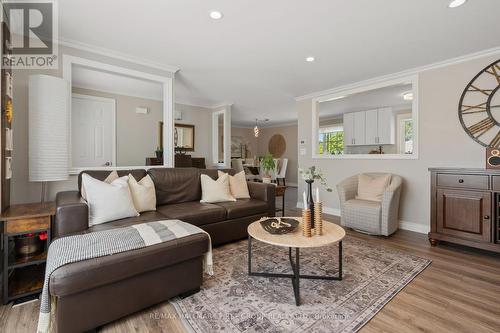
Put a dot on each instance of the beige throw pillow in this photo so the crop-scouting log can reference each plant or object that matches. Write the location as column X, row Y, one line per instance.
column 109, row 179
column 108, row 202
column 372, row 187
column 238, row 185
column 143, row 193
column 213, row 191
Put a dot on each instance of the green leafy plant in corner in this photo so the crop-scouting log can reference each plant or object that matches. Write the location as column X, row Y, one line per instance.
column 268, row 164
column 313, row 174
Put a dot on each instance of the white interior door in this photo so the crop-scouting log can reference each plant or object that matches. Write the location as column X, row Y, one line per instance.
column 92, row 131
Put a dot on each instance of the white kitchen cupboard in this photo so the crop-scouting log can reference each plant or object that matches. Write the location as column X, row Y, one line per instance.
column 354, row 129
column 372, row 127
column 386, row 125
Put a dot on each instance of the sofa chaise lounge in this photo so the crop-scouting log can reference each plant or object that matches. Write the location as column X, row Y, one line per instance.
column 93, row 292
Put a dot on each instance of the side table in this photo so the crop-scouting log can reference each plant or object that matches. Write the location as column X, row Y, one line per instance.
column 23, row 273
column 280, row 192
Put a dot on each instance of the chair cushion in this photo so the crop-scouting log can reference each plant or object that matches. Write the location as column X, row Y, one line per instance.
column 362, row 214
column 243, row 207
column 371, row 187
column 194, row 212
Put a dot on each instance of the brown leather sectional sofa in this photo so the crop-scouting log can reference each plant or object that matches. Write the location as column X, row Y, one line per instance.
column 93, row 292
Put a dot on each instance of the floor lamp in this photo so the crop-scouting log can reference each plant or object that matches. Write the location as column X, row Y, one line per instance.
column 49, row 98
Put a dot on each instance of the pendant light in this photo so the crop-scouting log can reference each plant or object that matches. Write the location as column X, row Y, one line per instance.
column 256, row 129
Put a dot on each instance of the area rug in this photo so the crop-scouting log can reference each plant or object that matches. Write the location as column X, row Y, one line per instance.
column 231, row 301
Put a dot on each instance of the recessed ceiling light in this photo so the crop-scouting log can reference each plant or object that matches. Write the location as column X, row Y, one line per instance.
column 456, row 3
column 215, row 14
column 310, row 59
column 408, row 96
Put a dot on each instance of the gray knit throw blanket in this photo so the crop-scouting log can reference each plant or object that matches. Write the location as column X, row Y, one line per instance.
column 71, row 249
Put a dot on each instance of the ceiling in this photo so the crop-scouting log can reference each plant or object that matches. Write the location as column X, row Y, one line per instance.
column 255, row 56
column 391, row 96
column 83, row 77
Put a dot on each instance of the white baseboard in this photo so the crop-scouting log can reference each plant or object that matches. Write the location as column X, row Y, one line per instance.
column 405, row 225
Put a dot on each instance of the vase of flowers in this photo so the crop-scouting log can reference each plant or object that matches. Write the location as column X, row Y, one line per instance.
column 310, row 175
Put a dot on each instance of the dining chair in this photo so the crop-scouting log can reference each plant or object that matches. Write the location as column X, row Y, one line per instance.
column 237, row 165
column 282, row 172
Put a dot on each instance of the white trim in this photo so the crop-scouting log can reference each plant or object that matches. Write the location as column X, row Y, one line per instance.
column 117, row 55
column 113, row 123
column 225, row 111
column 413, row 80
column 272, row 125
column 118, row 92
column 168, row 98
column 416, row 227
column 404, row 225
column 409, row 72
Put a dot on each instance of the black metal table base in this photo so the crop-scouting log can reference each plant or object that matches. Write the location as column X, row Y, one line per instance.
column 296, row 276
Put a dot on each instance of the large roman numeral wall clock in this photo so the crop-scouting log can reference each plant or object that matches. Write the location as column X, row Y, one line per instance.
column 479, row 108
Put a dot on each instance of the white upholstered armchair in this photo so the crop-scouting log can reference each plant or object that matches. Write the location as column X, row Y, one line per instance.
column 373, row 217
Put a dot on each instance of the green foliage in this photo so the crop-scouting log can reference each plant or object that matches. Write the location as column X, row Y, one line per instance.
column 314, row 174
column 268, row 162
column 408, row 130
column 333, row 142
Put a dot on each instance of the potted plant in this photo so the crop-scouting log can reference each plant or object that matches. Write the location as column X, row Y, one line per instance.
column 267, row 164
column 310, row 175
column 159, row 152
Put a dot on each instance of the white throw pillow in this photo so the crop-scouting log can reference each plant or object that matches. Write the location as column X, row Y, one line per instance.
column 108, row 202
column 143, row 193
column 213, row 191
column 113, row 175
column 238, row 185
column 372, row 187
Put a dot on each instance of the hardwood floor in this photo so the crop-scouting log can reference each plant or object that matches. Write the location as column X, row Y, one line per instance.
column 458, row 292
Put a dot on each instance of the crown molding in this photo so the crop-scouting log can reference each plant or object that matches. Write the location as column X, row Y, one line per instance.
column 117, row 55
column 221, row 105
column 397, row 75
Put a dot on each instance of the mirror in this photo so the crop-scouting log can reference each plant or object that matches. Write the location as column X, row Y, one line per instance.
column 221, row 137
column 184, row 137
column 378, row 122
column 115, row 119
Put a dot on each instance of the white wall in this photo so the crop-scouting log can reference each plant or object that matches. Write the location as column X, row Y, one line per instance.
column 22, row 190
column 289, row 132
column 136, row 134
column 201, row 118
column 442, row 143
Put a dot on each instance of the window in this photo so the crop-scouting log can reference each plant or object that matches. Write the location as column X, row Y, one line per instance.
column 331, row 140
column 405, row 137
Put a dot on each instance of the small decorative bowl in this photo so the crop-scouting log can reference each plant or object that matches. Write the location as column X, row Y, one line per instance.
column 279, row 225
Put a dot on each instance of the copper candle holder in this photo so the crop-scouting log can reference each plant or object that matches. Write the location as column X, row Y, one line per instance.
column 306, row 223
column 318, row 218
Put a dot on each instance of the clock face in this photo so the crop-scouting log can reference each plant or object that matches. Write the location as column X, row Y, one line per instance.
column 479, row 109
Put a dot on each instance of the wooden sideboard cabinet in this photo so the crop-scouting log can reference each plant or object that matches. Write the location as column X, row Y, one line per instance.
column 465, row 207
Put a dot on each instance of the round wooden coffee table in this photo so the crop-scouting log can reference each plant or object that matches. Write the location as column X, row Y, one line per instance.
column 332, row 234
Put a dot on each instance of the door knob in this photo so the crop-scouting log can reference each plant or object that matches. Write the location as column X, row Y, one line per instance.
column 486, row 217
column 107, row 164
column 460, row 181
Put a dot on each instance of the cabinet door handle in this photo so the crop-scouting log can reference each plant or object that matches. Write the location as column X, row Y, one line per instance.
column 460, row 181
column 486, row 217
